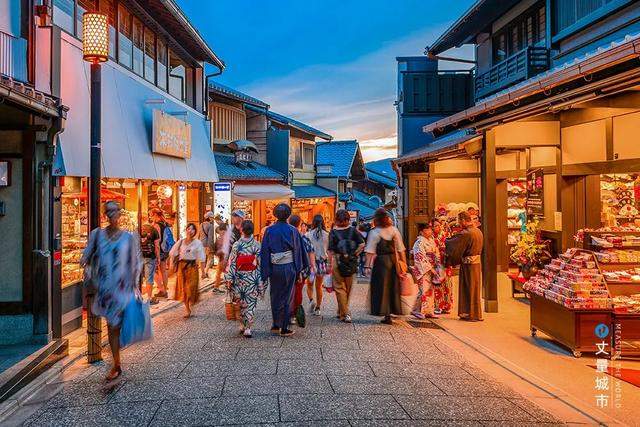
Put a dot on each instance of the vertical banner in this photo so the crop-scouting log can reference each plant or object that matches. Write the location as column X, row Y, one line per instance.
column 222, row 200
column 535, row 193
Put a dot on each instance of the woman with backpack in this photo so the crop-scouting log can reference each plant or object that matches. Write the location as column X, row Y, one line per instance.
column 319, row 238
column 384, row 250
column 244, row 276
column 186, row 256
column 345, row 244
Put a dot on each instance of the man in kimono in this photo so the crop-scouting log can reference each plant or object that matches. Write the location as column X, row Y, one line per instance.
column 465, row 249
column 282, row 258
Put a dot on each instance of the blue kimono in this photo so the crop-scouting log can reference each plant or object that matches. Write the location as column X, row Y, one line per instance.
column 278, row 238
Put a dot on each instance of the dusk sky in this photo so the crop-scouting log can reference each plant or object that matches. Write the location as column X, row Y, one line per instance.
column 328, row 63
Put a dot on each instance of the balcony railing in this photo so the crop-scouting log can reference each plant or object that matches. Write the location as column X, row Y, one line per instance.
column 13, row 57
column 516, row 68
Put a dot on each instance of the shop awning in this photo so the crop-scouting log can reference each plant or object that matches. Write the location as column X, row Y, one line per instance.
column 127, row 111
column 261, row 192
column 311, row 192
column 450, row 144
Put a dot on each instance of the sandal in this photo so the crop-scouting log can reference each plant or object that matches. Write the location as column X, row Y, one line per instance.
column 114, row 373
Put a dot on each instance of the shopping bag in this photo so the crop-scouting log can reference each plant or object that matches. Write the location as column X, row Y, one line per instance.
column 328, row 283
column 301, row 318
column 136, row 322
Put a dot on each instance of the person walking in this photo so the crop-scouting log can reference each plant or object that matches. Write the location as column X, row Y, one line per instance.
column 186, row 255
column 150, row 247
column 296, row 222
column 234, row 232
column 221, row 227
column 384, row 248
column 467, row 245
column 443, row 291
column 319, row 238
column 166, row 243
column 207, row 238
column 244, row 276
column 425, row 270
column 114, row 257
column 345, row 244
column 282, row 258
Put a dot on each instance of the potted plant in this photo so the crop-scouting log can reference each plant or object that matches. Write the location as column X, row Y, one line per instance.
column 530, row 253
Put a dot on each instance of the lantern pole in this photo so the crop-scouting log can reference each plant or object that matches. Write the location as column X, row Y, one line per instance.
column 95, row 51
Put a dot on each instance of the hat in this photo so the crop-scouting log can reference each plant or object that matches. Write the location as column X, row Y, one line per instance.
column 238, row 213
column 208, row 215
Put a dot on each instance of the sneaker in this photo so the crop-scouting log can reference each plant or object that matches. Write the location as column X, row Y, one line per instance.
column 317, row 312
column 286, row 333
column 153, row 301
column 347, row 318
column 417, row 315
column 312, row 306
column 247, row 333
column 293, row 321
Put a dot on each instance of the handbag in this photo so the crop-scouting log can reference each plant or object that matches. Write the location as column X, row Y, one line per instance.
column 327, row 284
column 231, row 308
column 91, row 269
column 136, row 321
column 301, row 318
column 176, row 259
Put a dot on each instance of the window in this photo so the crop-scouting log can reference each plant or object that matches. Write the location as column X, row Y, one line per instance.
column 63, row 12
column 570, row 12
column 529, row 29
column 138, row 46
column 108, row 7
column 180, row 78
column 149, row 55
column 162, row 64
column 82, row 7
column 125, row 39
column 308, row 154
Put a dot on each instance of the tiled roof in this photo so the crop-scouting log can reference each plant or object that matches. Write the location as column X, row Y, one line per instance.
column 363, row 202
column 337, row 154
column 311, row 191
column 381, row 171
column 287, row 121
column 365, row 211
column 228, row 169
column 344, row 197
column 228, row 92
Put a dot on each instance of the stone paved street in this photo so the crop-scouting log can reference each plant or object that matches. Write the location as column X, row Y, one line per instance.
column 201, row 372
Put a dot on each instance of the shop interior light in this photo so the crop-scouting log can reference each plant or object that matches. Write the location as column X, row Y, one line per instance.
column 95, row 33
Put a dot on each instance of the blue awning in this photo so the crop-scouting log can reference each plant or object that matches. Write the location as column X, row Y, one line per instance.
column 311, row 192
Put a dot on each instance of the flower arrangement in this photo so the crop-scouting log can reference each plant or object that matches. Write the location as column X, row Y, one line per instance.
column 530, row 251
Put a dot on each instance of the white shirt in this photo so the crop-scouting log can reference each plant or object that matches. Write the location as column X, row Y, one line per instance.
column 386, row 233
column 188, row 252
column 319, row 243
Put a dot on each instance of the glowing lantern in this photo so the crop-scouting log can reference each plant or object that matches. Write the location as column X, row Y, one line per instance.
column 95, row 33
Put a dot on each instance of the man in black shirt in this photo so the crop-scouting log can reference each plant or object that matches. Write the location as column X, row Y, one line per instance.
column 150, row 247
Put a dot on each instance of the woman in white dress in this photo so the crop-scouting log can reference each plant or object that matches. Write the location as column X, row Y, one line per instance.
column 186, row 256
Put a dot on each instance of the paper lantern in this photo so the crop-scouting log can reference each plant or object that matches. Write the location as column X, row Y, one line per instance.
column 95, row 33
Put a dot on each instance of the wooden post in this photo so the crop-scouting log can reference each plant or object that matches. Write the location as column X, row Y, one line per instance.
column 489, row 225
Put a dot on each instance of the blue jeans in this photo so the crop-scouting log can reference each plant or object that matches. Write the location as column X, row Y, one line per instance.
column 149, row 269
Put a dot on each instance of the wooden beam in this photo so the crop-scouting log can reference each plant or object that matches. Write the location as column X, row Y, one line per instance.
column 609, row 137
column 598, row 168
column 489, row 225
column 456, row 175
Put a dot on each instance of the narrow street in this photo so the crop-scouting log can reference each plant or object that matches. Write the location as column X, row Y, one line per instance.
column 200, row 372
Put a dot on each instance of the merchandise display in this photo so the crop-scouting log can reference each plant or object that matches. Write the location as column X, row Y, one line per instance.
column 572, row 280
column 74, row 237
column 516, row 201
column 620, row 196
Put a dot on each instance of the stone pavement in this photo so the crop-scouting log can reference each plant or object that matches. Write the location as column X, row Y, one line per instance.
column 199, row 371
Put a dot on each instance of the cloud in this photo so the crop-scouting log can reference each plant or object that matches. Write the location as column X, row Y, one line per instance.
column 353, row 100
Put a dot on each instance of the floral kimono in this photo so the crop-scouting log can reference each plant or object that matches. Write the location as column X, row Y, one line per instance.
column 443, row 293
column 425, row 260
column 244, row 276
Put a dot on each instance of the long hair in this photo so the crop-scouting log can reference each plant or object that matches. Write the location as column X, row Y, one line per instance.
column 381, row 218
column 317, row 225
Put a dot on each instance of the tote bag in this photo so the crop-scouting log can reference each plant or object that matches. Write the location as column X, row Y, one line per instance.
column 136, row 322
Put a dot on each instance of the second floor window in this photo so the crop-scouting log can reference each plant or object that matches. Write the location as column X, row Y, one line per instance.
column 528, row 29
column 308, row 154
column 571, row 12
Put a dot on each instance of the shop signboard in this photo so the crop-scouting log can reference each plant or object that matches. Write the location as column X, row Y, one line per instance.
column 222, row 200
column 171, row 136
column 535, row 192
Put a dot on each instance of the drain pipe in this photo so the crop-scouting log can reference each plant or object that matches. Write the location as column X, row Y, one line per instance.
column 206, row 89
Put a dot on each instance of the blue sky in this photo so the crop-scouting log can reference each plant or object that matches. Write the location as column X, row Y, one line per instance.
column 329, row 63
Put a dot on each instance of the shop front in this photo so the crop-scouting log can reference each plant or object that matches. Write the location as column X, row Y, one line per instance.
column 156, row 153
column 312, row 200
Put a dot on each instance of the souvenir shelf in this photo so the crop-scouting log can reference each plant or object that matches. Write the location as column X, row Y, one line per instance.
column 516, row 199
column 574, row 293
column 620, row 196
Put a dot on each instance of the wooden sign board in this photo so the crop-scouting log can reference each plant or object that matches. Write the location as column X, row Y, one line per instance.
column 535, row 193
column 171, row 136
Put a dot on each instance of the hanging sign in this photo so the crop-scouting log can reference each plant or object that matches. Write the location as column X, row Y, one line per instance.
column 171, row 136
column 222, row 200
column 535, row 192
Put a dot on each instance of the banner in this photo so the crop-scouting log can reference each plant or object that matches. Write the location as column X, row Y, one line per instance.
column 535, row 192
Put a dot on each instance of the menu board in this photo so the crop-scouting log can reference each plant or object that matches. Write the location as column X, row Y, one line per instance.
column 535, row 192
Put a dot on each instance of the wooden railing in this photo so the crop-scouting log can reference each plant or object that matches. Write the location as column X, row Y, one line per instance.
column 516, row 68
column 13, row 57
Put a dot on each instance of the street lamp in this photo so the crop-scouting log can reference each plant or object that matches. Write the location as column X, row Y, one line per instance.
column 95, row 49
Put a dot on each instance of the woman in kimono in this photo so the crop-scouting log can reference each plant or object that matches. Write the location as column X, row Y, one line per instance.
column 282, row 258
column 114, row 258
column 244, row 276
column 186, row 256
column 443, row 291
column 425, row 262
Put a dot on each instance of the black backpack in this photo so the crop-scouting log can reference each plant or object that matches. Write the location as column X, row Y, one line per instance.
column 347, row 260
